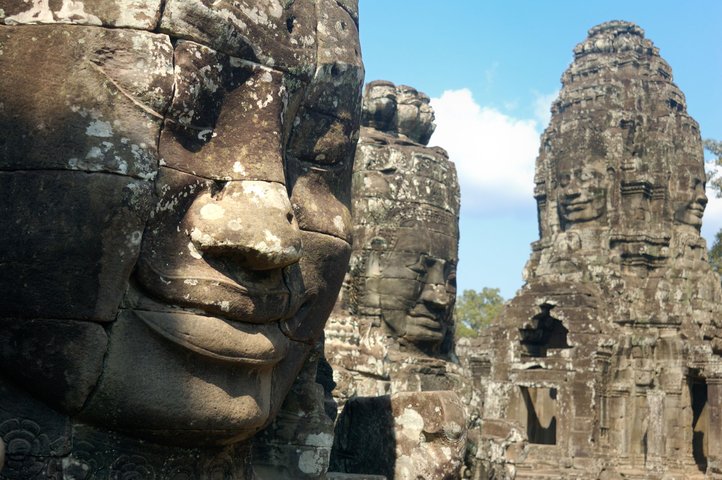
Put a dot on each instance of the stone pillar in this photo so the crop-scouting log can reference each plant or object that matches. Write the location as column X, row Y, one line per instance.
column 656, row 437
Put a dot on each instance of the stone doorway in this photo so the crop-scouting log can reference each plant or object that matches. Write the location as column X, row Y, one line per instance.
column 540, row 414
column 700, row 420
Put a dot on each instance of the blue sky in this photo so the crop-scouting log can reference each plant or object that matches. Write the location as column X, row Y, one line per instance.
column 492, row 69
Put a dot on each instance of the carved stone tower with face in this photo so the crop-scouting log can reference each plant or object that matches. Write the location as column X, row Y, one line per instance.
column 391, row 330
column 605, row 364
column 176, row 222
column 400, row 289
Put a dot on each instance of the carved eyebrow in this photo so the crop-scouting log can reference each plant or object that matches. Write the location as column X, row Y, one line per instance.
column 420, row 265
column 233, row 61
column 125, row 93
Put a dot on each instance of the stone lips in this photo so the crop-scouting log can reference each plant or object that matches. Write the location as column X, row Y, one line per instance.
column 220, row 339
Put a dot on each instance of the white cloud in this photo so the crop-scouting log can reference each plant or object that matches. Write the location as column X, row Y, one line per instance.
column 542, row 107
column 712, row 218
column 493, row 152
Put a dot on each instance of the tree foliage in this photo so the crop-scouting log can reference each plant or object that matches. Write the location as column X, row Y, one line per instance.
column 715, row 179
column 715, row 253
column 475, row 310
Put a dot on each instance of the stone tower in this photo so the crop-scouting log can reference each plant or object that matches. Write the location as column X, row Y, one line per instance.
column 605, row 364
column 389, row 339
column 391, row 329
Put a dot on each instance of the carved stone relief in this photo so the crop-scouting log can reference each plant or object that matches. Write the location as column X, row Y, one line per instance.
column 165, row 266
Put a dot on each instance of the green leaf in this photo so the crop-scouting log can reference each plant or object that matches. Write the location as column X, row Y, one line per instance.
column 476, row 310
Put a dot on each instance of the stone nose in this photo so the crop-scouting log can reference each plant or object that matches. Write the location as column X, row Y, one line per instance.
column 250, row 223
column 435, row 296
column 571, row 190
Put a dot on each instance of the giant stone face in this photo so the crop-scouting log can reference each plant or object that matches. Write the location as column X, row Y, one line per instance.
column 175, row 205
column 406, row 204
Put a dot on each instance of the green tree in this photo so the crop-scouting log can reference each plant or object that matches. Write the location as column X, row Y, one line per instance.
column 475, row 310
column 715, row 253
column 715, row 148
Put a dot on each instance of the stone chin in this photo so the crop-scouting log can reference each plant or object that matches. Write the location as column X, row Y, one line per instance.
column 691, row 214
column 190, row 377
column 423, row 331
column 187, row 379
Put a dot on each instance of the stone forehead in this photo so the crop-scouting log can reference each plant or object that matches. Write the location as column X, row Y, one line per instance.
column 407, row 240
column 394, row 182
column 379, row 84
column 290, row 36
column 615, row 27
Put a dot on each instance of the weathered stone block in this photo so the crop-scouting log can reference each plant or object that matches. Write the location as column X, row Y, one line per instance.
column 74, row 234
column 136, row 14
column 84, row 109
column 67, row 358
column 420, row 435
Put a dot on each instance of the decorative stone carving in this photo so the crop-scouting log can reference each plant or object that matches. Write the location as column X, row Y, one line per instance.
column 605, row 364
column 164, row 263
column 391, row 330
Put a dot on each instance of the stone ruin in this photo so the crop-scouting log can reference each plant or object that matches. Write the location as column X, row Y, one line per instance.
column 176, row 207
column 391, row 332
column 175, row 180
column 606, row 363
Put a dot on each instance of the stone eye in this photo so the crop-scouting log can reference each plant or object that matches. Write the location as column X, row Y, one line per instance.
column 420, row 266
column 451, row 283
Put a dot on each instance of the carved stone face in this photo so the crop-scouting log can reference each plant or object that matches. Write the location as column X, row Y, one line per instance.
column 415, row 290
column 581, row 192
column 415, row 115
column 191, row 237
column 380, row 106
column 691, row 199
column 426, row 120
